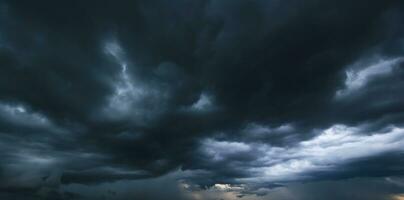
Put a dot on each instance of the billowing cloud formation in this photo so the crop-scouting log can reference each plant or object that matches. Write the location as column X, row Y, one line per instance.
column 240, row 99
column 325, row 153
column 355, row 80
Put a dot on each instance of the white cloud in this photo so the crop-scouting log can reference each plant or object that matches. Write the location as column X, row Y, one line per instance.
column 113, row 48
column 130, row 95
column 334, row 146
column 340, row 143
column 260, row 130
column 219, row 150
column 20, row 115
column 126, row 93
column 204, row 103
column 358, row 78
column 227, row 187
column 34, row 159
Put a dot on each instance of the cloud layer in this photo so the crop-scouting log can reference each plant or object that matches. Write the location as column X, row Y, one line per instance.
column 206, row 98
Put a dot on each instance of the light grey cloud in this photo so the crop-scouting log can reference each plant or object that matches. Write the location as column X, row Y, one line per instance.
column 326, row 152
column 357, row 76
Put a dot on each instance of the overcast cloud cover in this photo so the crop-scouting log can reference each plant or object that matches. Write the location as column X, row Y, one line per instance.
column 202, row 99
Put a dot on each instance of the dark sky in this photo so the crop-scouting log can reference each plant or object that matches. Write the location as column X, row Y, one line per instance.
column 202, row 99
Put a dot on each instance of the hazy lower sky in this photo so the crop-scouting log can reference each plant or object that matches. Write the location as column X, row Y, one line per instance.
column 202, row 99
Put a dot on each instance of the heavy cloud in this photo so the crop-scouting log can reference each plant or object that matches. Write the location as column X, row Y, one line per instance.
column 255, row 93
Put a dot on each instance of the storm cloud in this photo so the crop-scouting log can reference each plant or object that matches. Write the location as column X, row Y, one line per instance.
column 201, row 99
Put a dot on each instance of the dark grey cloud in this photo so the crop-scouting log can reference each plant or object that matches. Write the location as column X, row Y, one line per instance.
column 366, row 188
column 254, row 94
